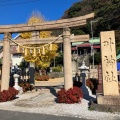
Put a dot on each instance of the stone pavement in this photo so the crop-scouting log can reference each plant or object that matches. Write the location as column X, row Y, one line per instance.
column 44, row 98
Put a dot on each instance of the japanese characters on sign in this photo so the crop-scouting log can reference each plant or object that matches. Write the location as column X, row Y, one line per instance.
column 109, row 61
column 109, row 67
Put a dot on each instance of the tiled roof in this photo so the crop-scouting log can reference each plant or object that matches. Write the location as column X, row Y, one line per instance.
column 94, row 41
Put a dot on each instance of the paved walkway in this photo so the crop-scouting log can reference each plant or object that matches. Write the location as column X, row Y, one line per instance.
column 43, row 99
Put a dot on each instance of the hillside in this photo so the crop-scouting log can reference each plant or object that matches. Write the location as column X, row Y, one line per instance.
column 107, row 14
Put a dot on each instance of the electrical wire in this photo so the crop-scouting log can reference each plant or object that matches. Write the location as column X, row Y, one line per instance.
column 18, row 3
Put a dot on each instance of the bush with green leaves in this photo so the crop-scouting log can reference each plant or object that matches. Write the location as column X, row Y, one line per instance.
column 57, row 69
column 97, row 58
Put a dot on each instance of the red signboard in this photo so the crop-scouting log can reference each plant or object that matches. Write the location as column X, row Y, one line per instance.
column 100, row 73
column 100, row 81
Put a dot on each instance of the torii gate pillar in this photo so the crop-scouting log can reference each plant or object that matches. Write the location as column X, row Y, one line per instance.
column 6, row 62
column 68, row 83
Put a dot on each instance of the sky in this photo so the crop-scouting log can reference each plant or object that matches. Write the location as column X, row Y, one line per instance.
column 19, row 11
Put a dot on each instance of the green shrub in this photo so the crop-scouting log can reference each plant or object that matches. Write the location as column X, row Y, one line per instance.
column 57, row 69
column 97, row 58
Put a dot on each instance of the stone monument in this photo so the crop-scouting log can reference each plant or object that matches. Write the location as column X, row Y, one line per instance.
column 109, row 70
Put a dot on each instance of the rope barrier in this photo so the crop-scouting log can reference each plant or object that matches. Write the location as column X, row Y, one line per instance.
column 35, row 47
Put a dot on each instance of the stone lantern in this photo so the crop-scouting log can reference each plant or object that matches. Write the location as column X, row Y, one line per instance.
column 86, row 90
column 83, row 70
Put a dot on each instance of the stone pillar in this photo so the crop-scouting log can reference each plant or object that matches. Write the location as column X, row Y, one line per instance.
column 6, row 62
column 68, row 83
column 35, row 34
column 32, row 71
column 110, row 94
column 74, row 67
column 109, row 67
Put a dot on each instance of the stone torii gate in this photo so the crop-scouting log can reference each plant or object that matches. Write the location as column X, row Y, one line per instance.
column 67, row 38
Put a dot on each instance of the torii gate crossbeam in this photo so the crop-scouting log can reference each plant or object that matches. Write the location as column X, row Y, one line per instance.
column 47, row 40
column 58, row 24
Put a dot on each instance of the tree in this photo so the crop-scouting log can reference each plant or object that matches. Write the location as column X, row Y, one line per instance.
column 58, row 60
column 107, row 13
column 97, row 58
column 40, row 54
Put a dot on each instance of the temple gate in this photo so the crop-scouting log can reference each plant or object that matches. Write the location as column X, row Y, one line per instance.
column 66, row 38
